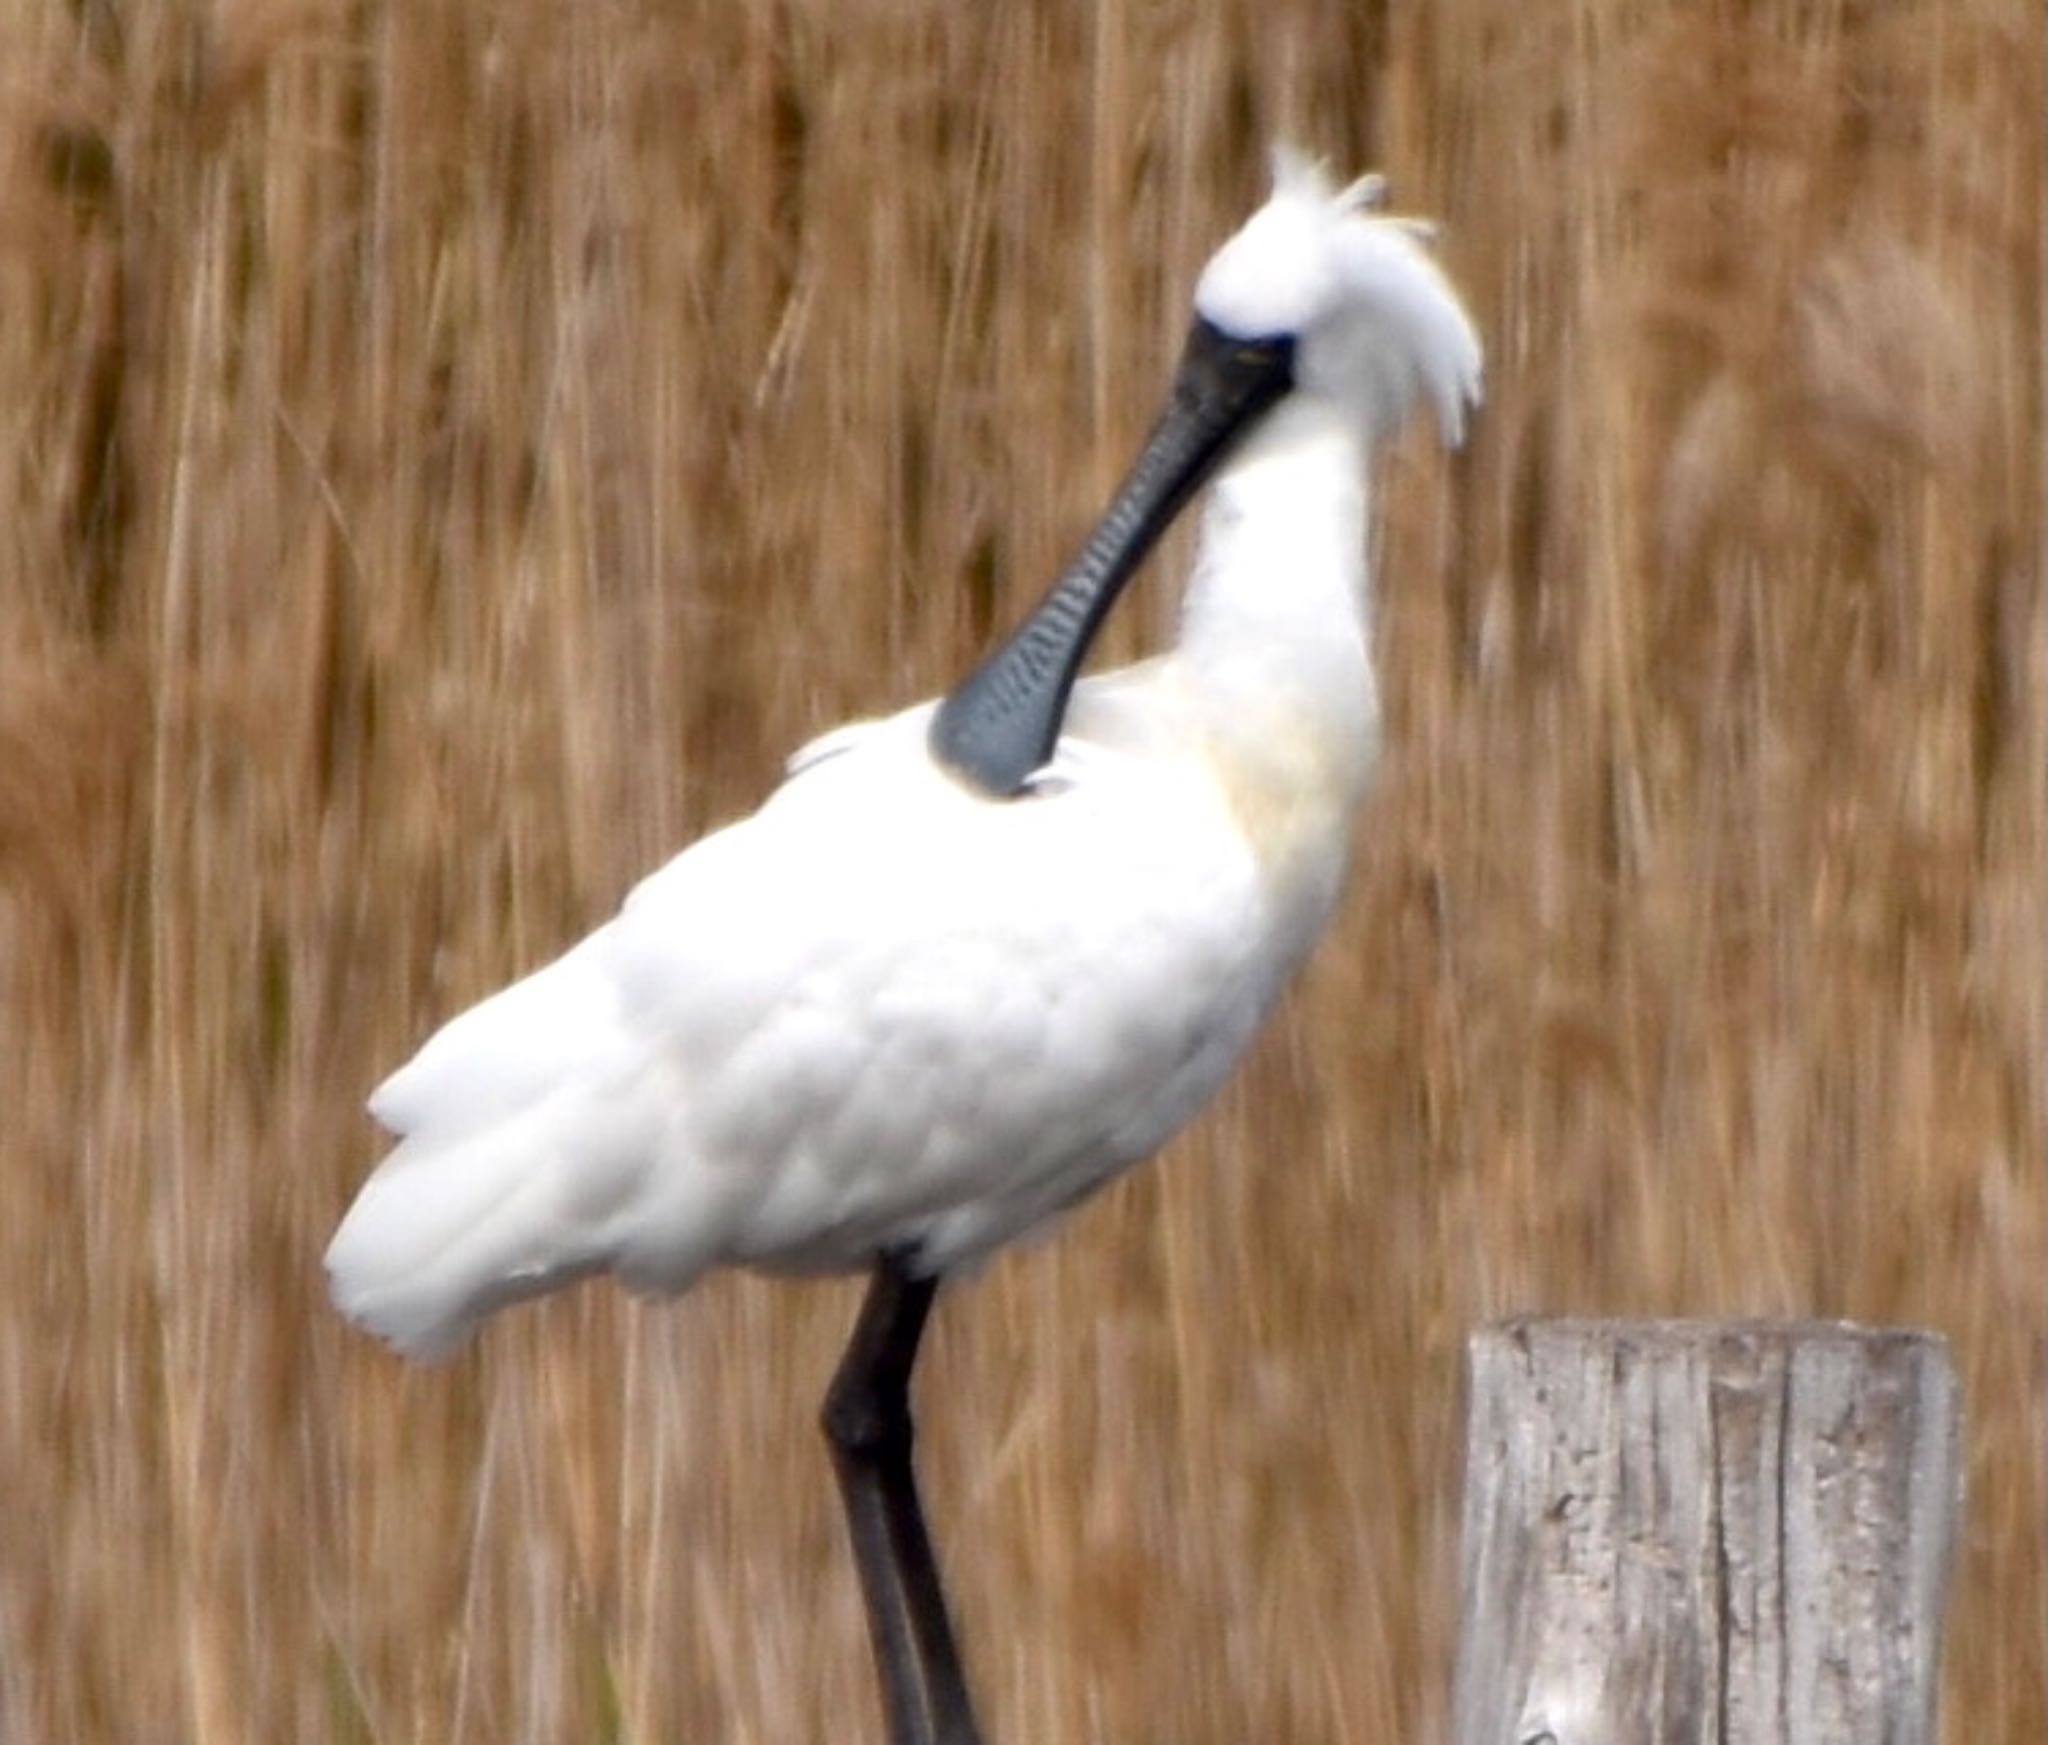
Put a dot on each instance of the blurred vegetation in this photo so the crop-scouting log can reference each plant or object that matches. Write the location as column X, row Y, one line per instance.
column 450, row 451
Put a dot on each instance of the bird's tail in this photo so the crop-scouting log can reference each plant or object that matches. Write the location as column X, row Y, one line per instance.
column 443, row 1234
column 455, row 1225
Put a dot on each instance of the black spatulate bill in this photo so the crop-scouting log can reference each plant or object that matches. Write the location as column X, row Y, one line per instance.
column 999, row 724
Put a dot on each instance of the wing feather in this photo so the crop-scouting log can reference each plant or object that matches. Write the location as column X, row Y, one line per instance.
column 880, row 1011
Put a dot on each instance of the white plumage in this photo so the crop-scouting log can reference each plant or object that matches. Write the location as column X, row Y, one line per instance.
column 888, row 1013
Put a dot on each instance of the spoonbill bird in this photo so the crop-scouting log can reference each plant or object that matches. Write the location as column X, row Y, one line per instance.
column 973, row 959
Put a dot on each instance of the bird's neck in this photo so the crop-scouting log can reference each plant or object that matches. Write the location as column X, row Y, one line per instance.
column 1275, row 642
column 1274, row 661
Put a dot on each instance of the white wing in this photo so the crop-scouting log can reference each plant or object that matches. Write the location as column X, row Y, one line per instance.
column 879, row 1012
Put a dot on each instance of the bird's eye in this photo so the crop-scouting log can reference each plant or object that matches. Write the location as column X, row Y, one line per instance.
column 1257, row 353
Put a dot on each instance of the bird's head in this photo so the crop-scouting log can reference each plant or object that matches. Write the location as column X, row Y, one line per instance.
column 1352, row 296
column 1318, row 297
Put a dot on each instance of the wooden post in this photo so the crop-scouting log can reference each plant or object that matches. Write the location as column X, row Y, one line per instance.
column 1704, row 1533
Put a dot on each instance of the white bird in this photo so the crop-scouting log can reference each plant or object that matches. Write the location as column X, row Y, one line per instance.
column 971, row 960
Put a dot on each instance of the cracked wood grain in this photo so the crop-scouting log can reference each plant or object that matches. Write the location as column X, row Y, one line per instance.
column 1704, row 1533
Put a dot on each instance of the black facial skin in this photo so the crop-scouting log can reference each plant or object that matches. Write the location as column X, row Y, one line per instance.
column 1000, row 723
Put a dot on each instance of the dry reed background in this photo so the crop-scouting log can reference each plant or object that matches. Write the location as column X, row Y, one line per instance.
column 451, row 450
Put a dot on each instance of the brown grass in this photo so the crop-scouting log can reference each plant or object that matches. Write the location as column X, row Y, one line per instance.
column 449, row 451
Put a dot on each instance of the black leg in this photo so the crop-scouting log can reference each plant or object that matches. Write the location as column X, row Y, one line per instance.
column 867, row 1420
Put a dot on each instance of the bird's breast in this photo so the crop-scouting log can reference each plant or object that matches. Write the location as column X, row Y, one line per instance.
column 1291, row 780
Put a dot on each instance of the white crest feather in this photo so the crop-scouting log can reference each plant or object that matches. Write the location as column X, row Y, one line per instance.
column 1367, row 194
column 1375, row 320
column 1296, row 174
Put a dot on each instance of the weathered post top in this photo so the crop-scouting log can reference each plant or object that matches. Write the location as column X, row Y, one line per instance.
column 1704, row 1533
